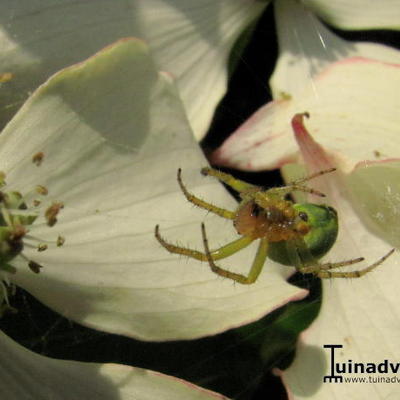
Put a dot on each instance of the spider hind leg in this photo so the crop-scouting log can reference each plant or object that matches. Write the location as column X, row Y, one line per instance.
column 324, row 270
column 256, row 267
column 217, row 254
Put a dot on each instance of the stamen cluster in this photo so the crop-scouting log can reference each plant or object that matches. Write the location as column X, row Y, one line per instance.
column 17, row 213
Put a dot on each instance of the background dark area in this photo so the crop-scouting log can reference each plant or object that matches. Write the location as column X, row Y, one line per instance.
column 229, row 363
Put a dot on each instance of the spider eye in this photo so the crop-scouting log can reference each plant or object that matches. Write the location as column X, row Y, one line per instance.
column 255, row 210
column 303, row 216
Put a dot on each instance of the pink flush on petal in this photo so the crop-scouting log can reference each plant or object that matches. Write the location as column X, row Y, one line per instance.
column 316, row 158
column 314, row 155
column 258, row 143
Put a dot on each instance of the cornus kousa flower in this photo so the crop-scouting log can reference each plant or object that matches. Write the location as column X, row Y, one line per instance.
column 185, row 39
column 74, row 140
column 367, row 201
column 350, row 92
column 95, row 137
column 328, row 77
column 110, row 134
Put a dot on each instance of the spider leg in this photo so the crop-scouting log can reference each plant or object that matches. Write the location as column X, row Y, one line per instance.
column 312, row 176
column 217, row 254
column 323, row 270
column 298, row 185
column 236, row 184
column 284, row 190
column 222, row 212
column 311, row 269
column 256, row 267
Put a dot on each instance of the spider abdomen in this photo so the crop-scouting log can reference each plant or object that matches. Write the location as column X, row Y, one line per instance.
column 323, row 224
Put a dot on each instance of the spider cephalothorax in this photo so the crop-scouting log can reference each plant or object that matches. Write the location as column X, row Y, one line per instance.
column 275, row 219
column 290, row 233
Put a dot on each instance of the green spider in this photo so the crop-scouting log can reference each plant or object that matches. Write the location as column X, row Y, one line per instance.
column 290, row 233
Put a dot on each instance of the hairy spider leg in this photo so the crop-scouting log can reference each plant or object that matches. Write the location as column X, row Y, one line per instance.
column 312, row 176
column 297, row 185
column 255, row 269
column 235, row 184
column 324, row 270
column 310, row 269
column 222, row 212
column 222, row 252
column 284, row 190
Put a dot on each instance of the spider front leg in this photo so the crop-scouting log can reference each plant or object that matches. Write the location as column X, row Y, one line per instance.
column 324, row 270
column 298, row 185
column 222, row 212
column 217, row 254
column 235, row 184
column 256, row 267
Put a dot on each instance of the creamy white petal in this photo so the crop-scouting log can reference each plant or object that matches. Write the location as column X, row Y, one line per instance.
column 113, row 133
column 354, row 112
column 361, row 314
column 25, row 375
column 337, row 81
column 375, row 190
column 358, row 14
column 307, row 47
column 190, row 40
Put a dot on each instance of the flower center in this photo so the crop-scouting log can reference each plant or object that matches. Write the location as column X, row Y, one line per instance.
column 17, row 213
column 16, row 216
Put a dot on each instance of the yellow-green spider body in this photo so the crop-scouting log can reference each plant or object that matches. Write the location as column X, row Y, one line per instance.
column 290, row 233
column 323, row 226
